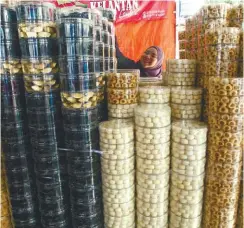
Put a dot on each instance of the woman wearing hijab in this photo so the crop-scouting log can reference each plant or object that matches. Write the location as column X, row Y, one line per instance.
column 150, row 63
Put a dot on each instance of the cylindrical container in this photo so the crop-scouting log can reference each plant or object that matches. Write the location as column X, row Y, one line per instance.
column 186, row 112
column 118, row 172
column 181, row 66
column 181, row 79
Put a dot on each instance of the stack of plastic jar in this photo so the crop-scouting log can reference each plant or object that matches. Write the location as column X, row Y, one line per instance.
column 222, row 57
column 225, row 151
column 80, row 78
column 154, row 95
column 152, row 165
column 188, row 157
column 118, row 173
column 4, row 202
column 235, row 15
column 15, row 142
column 122, row 93
column 181, row 72
column 38, row 40
column 186, row 103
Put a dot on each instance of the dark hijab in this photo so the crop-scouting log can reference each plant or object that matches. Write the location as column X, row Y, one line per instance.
column 157, row 69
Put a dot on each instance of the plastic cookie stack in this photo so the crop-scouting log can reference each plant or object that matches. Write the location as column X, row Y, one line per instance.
column 186, row 103
column 38, row 40
column 222, row 57
column 181, row 72
column 188, row 157
column 4, row 202
column 15, row 139
column 118, row 173
column 122, row 93
column 80, row 81
column 152, row 165
column 225, row 151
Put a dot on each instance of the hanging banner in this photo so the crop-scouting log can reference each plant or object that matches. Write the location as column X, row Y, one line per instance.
column 126, row 10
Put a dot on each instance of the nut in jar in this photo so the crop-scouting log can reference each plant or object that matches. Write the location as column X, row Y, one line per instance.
column 39, row 66
column 122, row 96
column 11, row 66
column 83, row 100
column 37, row 30
column 41, row 83
column 123, row 79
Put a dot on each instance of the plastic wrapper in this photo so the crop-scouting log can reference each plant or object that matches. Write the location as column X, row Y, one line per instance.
column 112, row 63
column 226, row 86
column 86, row 195
column 181, row 66
column 119, row 210
column 215, row 10
column 222, row 52
column 10, row 49
column 8, row 15
column 152, row 181
column 154, row 95
column 99, row 49
column 12, row 84
column 181, row 79
column 226, row 122
column 188, row 112
column 107, row 56
column 150, row 82
column 77, row 66
column 11, row 66
column 80, row 167
column 114, row 152
column 41, row 83
column 81, row 100
column 9, row 31
column 93, row 220
column 152, row 210
column 109, row 14
column 14, row 131
column 98, row 34
column 153, row 135
column 152, row 166
column 186, row 167
column 79, row 118
column 227, row 35
column 121, row 111
column 116, row 132
column 152, row 195
column 121, row 196
column 118, row 182
column 112, row 52
column 80, row 46
column 186, row 95
column 79, row 83
column 187, row 182
column 35, row 11
column 118, row 167
column 189, row 132
column 149, row 117
column 75, row 28
column 181, row 222
column 122, row 222
column 144, row 221
column 39, row 66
